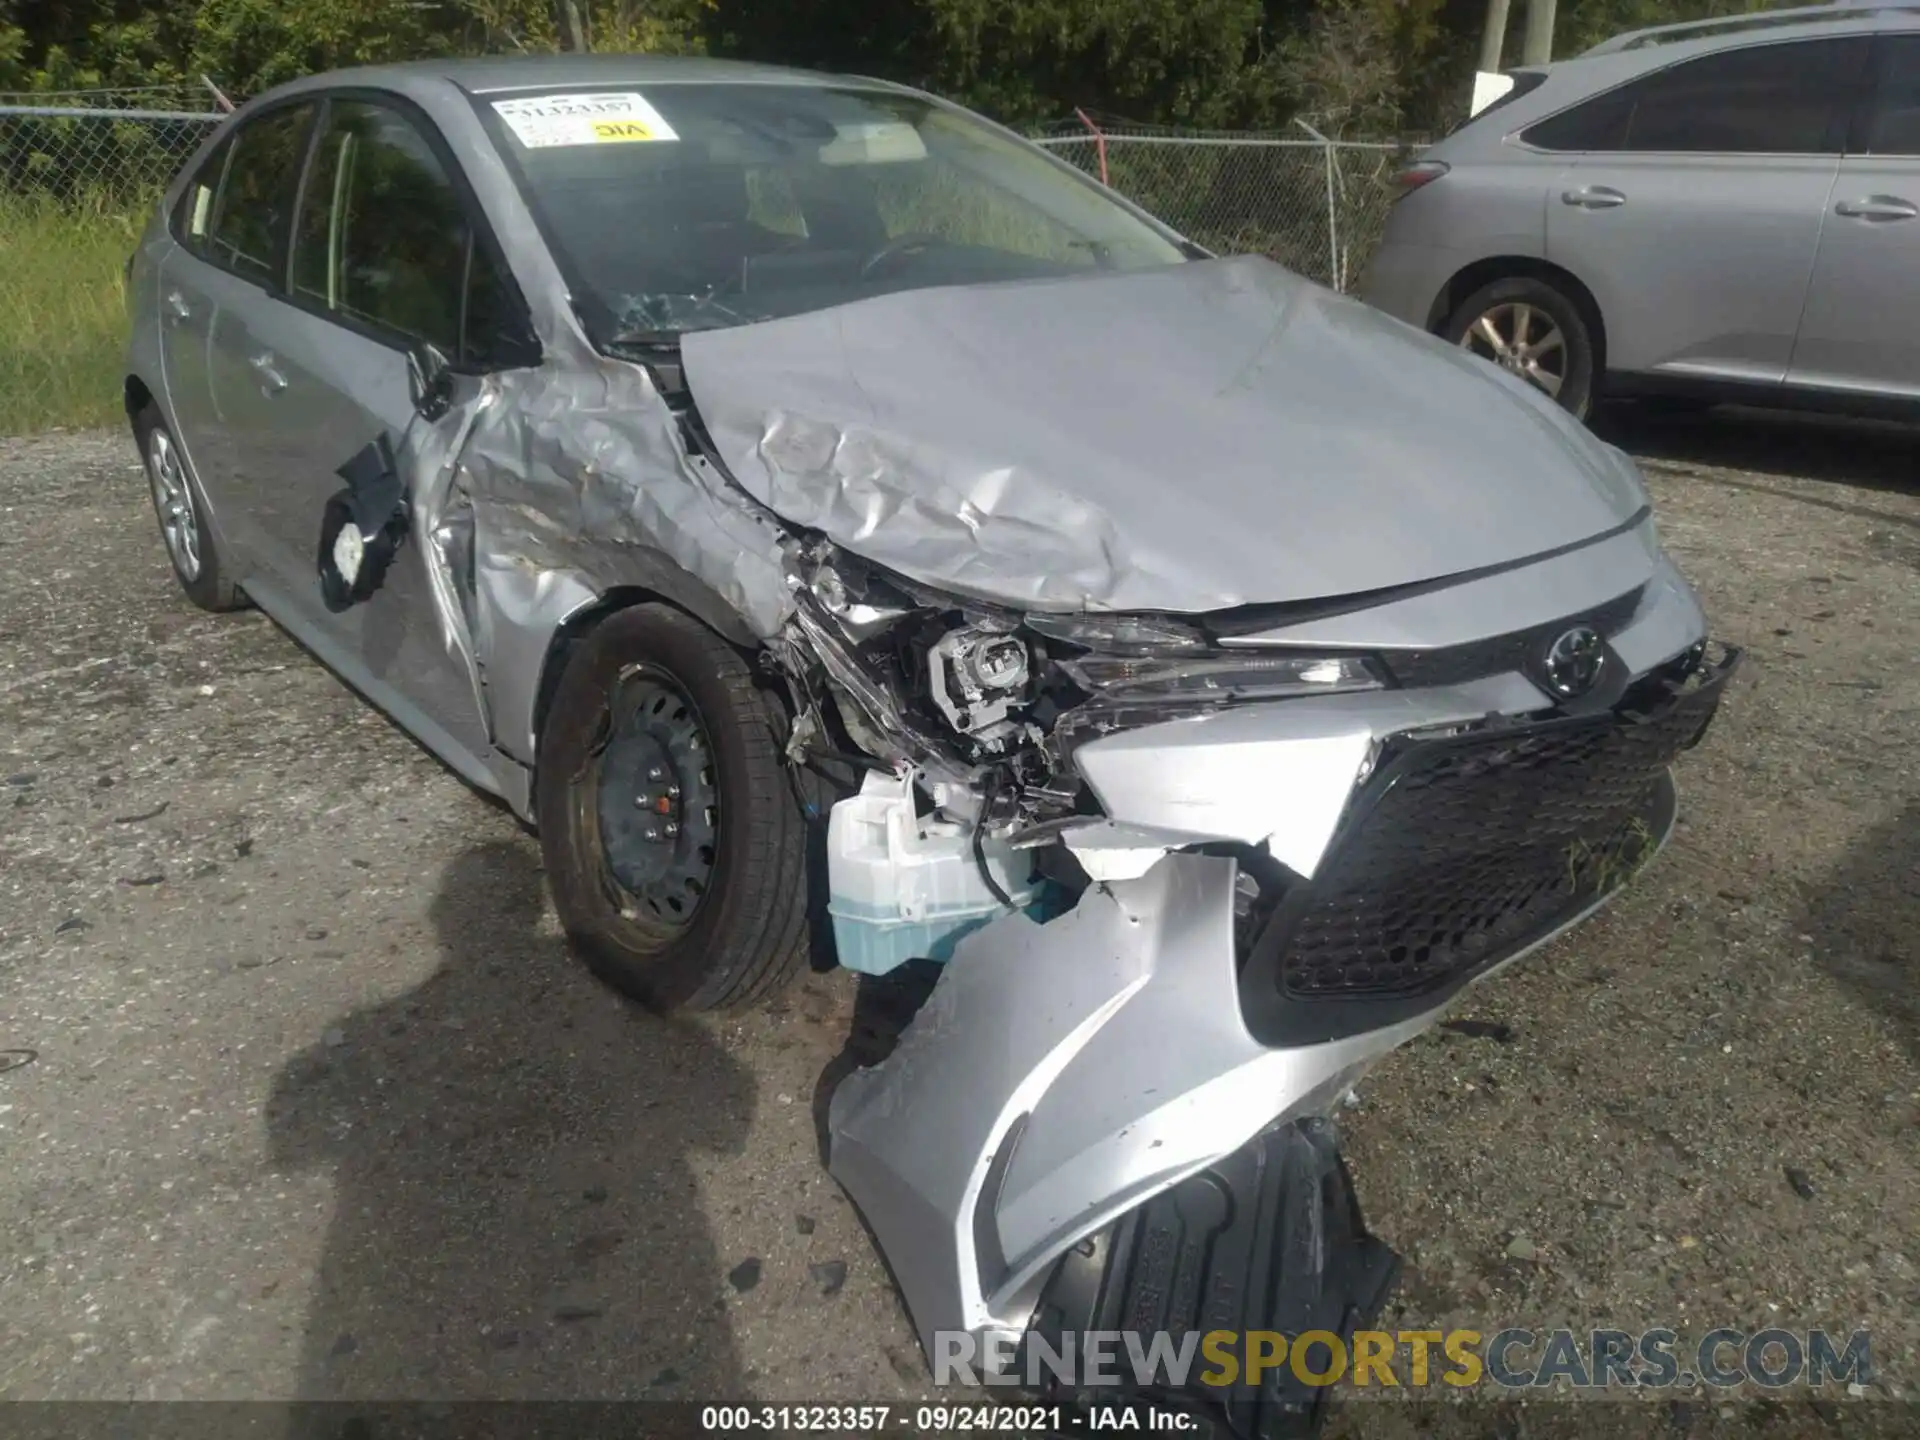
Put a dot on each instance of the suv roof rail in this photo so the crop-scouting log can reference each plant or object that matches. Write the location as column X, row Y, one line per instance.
column 1756, row 20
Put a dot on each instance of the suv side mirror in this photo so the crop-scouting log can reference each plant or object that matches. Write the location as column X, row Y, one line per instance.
column 429, row 381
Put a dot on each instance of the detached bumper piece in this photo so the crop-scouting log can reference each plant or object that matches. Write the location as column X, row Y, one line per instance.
column 1268, row 1238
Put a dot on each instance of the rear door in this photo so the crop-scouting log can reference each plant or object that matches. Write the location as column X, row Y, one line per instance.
column 1694, row 211
column 388, row 252
column 1861, row 331
column 232, row 231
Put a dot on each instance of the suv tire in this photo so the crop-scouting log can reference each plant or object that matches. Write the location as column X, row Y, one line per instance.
column 1522, row 324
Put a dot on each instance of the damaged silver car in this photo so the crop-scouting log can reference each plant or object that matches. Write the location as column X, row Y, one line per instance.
column 805, row 501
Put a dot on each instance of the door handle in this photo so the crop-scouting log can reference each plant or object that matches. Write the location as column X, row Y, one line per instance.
column 272, row 382
column 1593, row 197
column 1878, row 207
column 177, row 305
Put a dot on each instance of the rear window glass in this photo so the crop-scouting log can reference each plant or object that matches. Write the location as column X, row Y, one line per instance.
column 1782, row 99
column 196, row 206
column 249, row 216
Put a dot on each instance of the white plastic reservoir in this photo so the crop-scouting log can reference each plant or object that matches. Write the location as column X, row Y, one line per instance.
column 907, row 886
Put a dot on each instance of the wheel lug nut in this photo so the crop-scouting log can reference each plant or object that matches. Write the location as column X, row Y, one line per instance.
column 653, row 832
column 654, row 772
column 673, row 792
column 672, row 829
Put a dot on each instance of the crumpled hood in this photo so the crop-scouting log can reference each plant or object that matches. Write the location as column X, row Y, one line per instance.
column 1191, row 438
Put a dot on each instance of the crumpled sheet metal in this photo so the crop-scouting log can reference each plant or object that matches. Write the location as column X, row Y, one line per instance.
column 1184, row 439
column 577, row 465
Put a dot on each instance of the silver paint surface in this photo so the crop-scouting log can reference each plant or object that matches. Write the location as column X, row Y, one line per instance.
column 1192, row 438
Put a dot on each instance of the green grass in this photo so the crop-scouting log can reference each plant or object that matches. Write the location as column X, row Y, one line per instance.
column 63, row 320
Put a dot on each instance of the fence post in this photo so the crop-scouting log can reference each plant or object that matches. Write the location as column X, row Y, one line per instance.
column 1333, row 204
column 1099, row 142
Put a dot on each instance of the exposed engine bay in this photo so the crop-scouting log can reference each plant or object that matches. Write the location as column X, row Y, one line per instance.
column 984, row 708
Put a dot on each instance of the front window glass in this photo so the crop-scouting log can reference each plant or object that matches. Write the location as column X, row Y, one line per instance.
column 1894, row 128
column 693, row 206
column 383, row 238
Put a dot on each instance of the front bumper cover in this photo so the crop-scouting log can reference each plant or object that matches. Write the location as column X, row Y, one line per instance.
column 1062, row 1074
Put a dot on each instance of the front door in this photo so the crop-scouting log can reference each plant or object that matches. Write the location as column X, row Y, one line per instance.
column 1861, row 331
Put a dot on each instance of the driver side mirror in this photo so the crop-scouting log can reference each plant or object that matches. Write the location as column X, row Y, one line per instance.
column 429, row 381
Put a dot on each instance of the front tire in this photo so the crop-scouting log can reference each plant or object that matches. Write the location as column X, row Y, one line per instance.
column 675, row 846
column 1534, row 331
column 183, row 525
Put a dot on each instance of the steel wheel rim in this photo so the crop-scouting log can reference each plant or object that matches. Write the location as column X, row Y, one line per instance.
column 1523, row 340
column 657, row 801
column 173, row 503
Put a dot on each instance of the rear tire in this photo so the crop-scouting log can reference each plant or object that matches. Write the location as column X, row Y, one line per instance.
column 674, row 843
column 1506, row 320
column 178, row 507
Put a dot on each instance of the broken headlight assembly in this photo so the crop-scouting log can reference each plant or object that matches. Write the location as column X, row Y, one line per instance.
column 1219, row 678
column 988, row 685
column 1139, row 670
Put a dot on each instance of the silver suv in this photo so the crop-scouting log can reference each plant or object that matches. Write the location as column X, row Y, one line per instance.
column 1724, row 210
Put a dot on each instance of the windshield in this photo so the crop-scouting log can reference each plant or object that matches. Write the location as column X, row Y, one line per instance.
column 680, row 207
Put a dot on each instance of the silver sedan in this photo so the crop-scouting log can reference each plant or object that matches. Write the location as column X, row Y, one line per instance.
column 805, row 501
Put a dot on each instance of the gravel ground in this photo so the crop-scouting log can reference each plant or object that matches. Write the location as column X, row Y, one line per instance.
column 319, row 1106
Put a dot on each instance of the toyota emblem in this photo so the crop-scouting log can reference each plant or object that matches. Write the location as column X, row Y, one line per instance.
column 1574, row 661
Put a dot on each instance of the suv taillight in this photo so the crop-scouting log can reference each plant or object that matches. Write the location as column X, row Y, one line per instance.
column 1415, row 176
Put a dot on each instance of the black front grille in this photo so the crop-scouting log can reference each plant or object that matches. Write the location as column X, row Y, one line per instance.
column 1503, row 654
column 1463, row 849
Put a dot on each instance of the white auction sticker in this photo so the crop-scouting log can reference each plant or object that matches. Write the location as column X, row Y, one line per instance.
column 541, row 121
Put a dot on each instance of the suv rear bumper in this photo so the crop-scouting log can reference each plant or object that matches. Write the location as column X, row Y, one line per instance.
column 1405, row 281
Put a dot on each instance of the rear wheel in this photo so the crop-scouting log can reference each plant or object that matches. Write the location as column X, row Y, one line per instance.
column 183, row 526
column 1532, row 330
column 674, row 843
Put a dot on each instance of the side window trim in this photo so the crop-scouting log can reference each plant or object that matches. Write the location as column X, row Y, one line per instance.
column 1855, row 116
column 224, row 149
column 480, row 230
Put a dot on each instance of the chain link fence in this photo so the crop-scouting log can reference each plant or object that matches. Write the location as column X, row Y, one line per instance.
column 1316, row 205
column 115, row 148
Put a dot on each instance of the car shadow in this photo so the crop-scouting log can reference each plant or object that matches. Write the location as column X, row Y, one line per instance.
column 1863, row 921
column 1866, row 454
column 515, row 1210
